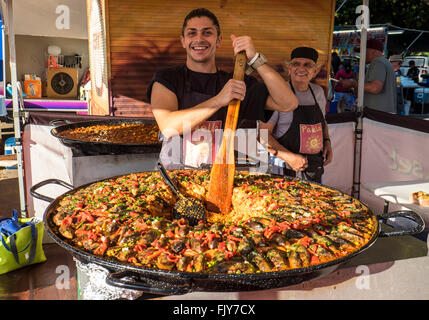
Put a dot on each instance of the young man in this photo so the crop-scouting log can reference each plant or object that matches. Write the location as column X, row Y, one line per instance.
column 380, row 80
column 198, row 92
column 300, row 138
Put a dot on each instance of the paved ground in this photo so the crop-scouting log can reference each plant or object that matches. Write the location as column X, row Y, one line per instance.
column 39, row 281
column 9, row 191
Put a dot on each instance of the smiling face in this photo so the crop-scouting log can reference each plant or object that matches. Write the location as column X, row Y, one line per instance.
column 200, row 39
column 302, row 70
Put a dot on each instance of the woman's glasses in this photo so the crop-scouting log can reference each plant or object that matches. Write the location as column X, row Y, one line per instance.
column 306, row 65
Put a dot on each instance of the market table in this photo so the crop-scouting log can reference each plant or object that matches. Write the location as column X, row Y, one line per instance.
column 399, row 192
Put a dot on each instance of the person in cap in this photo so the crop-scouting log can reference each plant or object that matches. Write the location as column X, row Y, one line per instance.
column 299, row 139
column 199, row 92
column 396, row 61
column 413, row 71
column 380, row 80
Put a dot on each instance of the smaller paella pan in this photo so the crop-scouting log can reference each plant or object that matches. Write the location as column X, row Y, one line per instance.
column 113, row 136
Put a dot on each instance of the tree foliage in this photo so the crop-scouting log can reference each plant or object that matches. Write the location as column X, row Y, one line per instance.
column 412, row 14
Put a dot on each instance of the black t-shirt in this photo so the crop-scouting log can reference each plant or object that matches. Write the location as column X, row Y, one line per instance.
column 182, row 81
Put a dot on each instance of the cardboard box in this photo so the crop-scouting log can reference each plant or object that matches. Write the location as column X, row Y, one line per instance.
column 33, row 89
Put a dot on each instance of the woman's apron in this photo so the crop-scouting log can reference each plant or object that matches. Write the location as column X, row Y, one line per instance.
column 305, row 137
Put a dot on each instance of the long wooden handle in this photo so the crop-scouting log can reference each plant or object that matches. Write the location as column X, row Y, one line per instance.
column 225, row 154
column 222, row 175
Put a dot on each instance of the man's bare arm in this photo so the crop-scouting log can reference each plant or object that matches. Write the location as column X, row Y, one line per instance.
column 171, row 120
column 281, row 97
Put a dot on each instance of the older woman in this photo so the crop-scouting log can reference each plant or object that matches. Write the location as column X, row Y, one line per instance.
column 300, row 138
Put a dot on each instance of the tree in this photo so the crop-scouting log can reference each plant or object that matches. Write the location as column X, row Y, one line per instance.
column 412, row 14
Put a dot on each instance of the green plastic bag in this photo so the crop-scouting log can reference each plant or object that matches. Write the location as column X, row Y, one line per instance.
column 22, row 248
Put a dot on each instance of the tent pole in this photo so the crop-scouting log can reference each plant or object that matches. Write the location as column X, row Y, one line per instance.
column 361, row 85
column 7, row 11
column 408, row 48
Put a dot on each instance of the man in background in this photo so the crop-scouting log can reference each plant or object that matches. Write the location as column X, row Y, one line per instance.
column 413, row 72
column 380, row 80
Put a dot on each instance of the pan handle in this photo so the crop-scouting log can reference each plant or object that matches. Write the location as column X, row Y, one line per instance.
column 44, row 183
column 135, row 282
column 57, row 122
column 404, row 214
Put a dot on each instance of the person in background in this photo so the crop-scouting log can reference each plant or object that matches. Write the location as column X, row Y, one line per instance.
column 380, row 80
column 344, row 96
column 335, row 62
column 198, row 91
column 413, row 72
column 300, row 138
column 396, row 61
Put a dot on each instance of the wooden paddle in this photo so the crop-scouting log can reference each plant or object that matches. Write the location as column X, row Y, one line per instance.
column 222, row 175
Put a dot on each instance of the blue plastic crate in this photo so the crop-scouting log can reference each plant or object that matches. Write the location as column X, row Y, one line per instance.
column 421, row 95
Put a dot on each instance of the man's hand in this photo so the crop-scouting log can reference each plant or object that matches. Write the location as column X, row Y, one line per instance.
column 345, row 83
column 243, row 43
column 233, row 89
column 327, row 152
column 297, row 162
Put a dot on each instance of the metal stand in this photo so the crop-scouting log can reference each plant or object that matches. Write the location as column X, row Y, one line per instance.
column 361, row 85
column 7, row 13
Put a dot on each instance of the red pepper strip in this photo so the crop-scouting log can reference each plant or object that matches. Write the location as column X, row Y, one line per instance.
column 284, row 225
column 169, row 234
column 273, row 206
column 229, row 254
column 134, row 214
column 234, row 238
column 139, row 247
column 181, row 222
column 210, row 236
column 132, row 260
column 221, row 246
column 81, row 232
column 102, row 247
column 154, row 255
column 172, row 258
column 305, row 241
column 271, row 229
column 86, row 216
column 343, row 222
column 314, row 259
column 67, row 221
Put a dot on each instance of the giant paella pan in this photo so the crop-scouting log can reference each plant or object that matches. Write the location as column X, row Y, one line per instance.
column 280, row 231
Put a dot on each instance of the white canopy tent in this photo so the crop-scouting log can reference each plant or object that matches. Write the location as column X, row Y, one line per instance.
column 10, row 30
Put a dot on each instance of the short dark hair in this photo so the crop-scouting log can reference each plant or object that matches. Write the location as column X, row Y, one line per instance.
column 411, row 62
column 201, row 12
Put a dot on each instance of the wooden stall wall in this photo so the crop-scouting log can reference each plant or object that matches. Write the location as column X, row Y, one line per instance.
column 99, row 57
column 144, row 35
